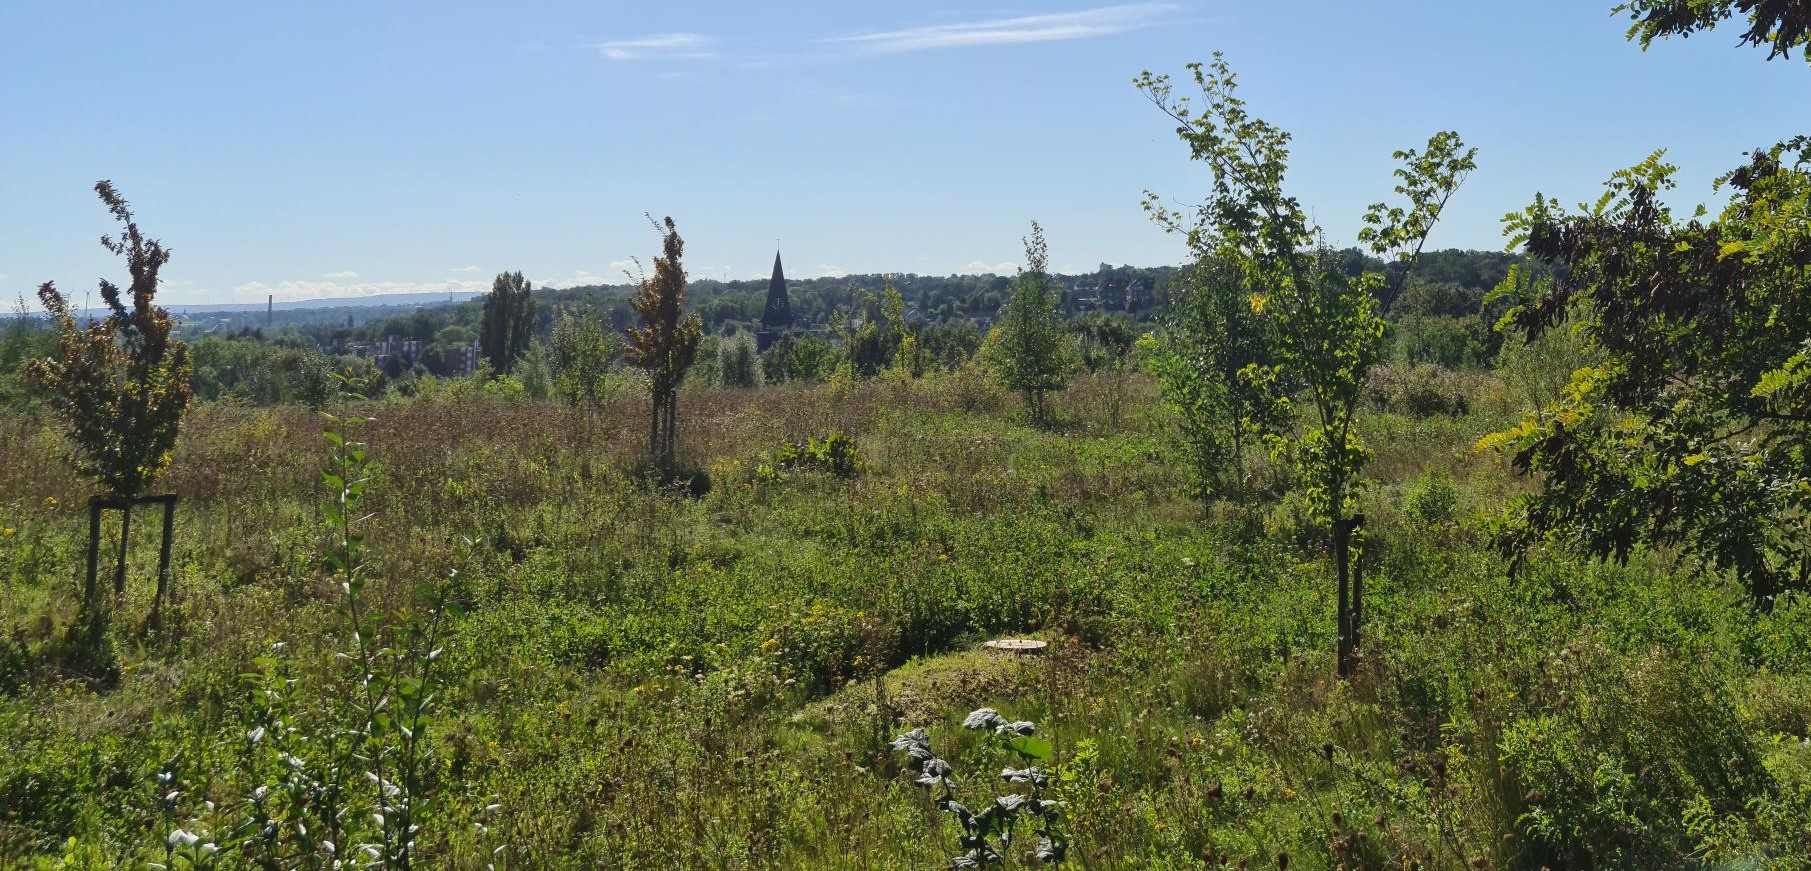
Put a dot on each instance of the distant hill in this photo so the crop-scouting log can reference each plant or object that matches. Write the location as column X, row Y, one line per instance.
column 376, row 299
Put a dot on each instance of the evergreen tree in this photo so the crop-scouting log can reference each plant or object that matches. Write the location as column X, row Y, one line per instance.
column 1033, row 356
column 508, row 324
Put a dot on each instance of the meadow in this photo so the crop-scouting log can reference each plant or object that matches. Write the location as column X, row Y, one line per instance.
column 648, row 677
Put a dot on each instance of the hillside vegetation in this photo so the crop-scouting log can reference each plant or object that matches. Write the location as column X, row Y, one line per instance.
column 638, row 678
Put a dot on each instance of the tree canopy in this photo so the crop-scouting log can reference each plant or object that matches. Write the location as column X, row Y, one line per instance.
column 121, row 384
column 1694, row 429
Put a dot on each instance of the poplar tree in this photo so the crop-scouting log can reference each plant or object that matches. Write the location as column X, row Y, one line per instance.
column 508, row 324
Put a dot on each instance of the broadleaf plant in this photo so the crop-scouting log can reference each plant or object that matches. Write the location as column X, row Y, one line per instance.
column 988, row 835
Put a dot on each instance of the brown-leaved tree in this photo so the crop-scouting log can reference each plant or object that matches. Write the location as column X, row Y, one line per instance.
column 120, row 384
column 665, row 343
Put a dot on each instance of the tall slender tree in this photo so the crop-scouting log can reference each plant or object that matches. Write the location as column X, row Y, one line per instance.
column 666, row 342
column 1033, row 355
column 508, row 324
column 1327, row 326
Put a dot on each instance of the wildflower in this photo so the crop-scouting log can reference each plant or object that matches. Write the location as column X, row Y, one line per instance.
column 6, row 533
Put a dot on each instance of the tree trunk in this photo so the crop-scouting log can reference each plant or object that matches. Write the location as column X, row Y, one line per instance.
column 163, row 561
column 1351, row 593
column 672, row 448
column 125, row 538
column 654, row 426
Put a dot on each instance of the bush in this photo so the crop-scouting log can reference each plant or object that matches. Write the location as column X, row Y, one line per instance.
column 835, row 453
column 1431, row 498
column 1421, row 390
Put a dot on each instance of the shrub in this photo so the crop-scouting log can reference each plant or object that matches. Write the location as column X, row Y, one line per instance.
column 835, row 453
column 1420, row 390
column 1431, row 498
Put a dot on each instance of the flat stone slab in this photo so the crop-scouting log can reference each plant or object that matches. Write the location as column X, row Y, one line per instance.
column 1017, row 645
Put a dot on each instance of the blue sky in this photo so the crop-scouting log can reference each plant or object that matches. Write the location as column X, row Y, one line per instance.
column 331, row 149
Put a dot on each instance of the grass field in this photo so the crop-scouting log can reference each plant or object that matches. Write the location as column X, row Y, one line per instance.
column 638, row 678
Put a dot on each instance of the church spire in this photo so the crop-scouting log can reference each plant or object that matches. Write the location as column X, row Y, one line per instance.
column 778, row 314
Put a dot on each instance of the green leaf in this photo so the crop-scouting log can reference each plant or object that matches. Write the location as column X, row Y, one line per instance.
column 1033, row 747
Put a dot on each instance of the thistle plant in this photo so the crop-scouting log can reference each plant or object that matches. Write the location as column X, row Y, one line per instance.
column 999, row 818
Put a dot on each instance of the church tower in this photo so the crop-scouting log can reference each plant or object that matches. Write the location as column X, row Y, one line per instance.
column 776, row 319
column 778, row 315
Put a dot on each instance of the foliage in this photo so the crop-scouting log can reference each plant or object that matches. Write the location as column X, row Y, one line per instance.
column 1781, row 25
column 23, row 339
column 1033, row 355
column 737, row 364
column 534, row 371
column 835, row 453
column 620, row 673
column 873, row 328
column 1694, row 426
column 799, row 358
column 395, row 684
column 1208, row 361
column 509, row 322
column 580, row 350
column 1103, row 342
column 1000, row 817
column 1431, row 498
column 665, row 344
column 1324, row 320
column 1420, row 390
column 120, row 384
column 260, row 373
column 1537, row 371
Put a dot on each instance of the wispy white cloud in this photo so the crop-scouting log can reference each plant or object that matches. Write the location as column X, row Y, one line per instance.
column 1102, row 21
column 465, row 269
column 661, row 46
column 829, row 270
column 345, row 275
column 978, row 267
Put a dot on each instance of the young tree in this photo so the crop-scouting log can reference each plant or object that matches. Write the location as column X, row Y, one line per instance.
column 1033, row 355
column 1209, row 359
column 1326, row 324
column 737, row 365
column 873, row 330
column 120, row 384
column 666, row 342
column 509, row 322
column 534, row 372
column 1693, row 428
column 579, row 353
